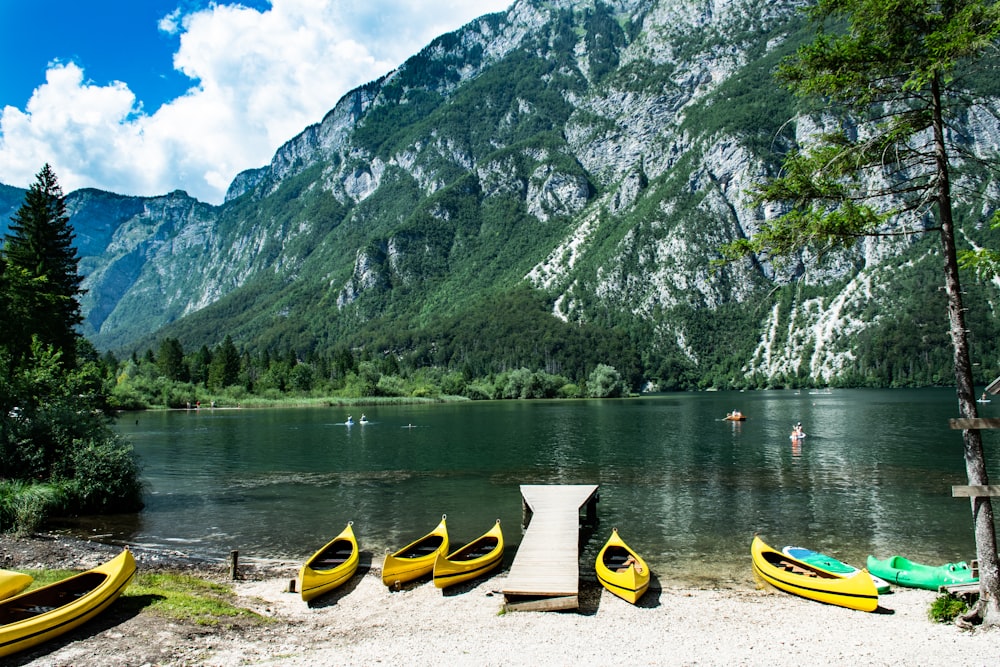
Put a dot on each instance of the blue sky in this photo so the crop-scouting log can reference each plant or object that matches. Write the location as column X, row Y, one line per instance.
column 148, row 96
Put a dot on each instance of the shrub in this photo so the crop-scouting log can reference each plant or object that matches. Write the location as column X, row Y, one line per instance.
column 479, row 391
column 946, row 608
column 570, row 390
column 605, row 382
column 106, row 476
column 24, row 506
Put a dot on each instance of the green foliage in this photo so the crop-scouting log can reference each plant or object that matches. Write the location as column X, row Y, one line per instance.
column 105, row 476
column 888, row 66
column 224, row 370
column 605, row 382
column 58, row 452
column 946, row 608
column 40, row 263
column 25, row 505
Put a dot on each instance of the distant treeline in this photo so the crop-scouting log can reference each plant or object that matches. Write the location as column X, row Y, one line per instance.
column 224, row 376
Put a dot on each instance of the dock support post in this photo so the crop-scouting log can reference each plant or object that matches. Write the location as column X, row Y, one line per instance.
column 591, row 519
column 234, row 564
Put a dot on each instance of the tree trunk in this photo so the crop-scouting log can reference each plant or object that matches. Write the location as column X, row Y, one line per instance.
column 988, row 608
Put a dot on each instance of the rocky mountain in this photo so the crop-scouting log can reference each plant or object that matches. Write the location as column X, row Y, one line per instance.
column 547, row 180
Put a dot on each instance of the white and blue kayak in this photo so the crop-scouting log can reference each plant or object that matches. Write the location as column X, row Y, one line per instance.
column 831, row 564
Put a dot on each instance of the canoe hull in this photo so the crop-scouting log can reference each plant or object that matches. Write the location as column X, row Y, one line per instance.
column 855, row 591
column 632, row 583
column 416, row 559
column 899, row 570
column 86, row 595
column 475, row 559
column 12, row 583
column 331, row 566
column 831, row 564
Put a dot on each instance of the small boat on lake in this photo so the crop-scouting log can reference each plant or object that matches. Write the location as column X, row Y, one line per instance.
column 621, row 570
column 416, row 559
column 831, row 564
column 12, row 583
column 854, row 591
column 38, row 615
column 905, row 572
column 735, row 416
column 479, row 557
column 331, row 566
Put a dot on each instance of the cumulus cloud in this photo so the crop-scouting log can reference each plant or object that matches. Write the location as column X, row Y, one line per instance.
column 258, row 78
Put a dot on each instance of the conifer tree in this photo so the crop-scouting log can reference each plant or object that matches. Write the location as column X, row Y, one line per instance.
column 39, row 250
column 224, row 370
column 891, row 72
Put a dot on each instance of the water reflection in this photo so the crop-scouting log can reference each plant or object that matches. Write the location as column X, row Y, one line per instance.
column 685, row 487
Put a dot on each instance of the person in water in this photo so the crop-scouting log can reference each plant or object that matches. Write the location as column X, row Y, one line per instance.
column 797, row 431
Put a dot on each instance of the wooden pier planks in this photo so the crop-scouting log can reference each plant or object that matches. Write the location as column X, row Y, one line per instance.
column 545, row 574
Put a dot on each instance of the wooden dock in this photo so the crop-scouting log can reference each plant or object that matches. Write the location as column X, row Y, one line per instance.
column 545, row 574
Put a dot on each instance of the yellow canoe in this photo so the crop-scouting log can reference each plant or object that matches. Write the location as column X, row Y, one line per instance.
column 479, row 557
column 628, row 582
column 416, row 559
column 12, row 583
column 331, row 566
column 854, row 591
column 38, row 615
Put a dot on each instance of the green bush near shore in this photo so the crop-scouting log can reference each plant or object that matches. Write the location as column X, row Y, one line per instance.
column 946, row 608
column 58, row 452
column 24, row 505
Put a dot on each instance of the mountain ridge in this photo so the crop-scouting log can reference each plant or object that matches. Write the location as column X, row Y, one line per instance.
column 597, row 152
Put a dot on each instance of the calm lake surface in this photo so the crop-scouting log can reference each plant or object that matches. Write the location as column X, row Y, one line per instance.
column 685, row 488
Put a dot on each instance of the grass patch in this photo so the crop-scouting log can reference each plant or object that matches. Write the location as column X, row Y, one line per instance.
column 946, row 608
column 176, row 596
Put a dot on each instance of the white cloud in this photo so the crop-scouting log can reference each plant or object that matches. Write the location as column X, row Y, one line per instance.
column 258, row 78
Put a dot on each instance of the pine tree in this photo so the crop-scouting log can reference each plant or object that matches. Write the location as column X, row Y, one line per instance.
column 224, row 370
column 39, row 247
column 891, row 72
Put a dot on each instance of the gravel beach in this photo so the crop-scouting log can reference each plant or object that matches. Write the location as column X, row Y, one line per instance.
column 364, row 623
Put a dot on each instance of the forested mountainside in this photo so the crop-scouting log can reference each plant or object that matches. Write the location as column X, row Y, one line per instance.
column 545, row 187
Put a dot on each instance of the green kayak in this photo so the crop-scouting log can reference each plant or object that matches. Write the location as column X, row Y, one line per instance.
column 831, row 564
column 899, row 570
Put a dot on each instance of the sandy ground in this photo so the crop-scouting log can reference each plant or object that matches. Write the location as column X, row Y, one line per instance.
column 364, row 623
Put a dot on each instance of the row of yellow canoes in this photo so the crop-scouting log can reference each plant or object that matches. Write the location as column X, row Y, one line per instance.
column 338, row 560
column 619, row 569
column 30, row 618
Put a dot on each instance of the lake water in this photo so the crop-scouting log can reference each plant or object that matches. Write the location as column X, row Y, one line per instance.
column 685, row 488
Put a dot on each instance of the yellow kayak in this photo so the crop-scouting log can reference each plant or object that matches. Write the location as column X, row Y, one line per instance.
column 331, row 566
column 475, row 559
column 31, row 618
column 12, row 583
column 854, row 591
column 621, row 570
column 416, row 559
